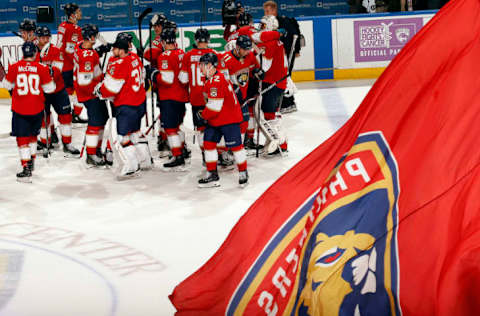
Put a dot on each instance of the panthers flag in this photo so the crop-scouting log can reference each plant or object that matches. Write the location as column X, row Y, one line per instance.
column 381, row 219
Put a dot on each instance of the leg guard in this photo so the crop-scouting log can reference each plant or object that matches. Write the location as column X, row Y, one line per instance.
column 143, row 151
column 126, row 156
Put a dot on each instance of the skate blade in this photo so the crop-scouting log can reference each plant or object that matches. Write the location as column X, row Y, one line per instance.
column 25, row 180
column 213, row 184
column 243, row 185
column 253, row 152
column 183, row 168
column 163, row 154
column 125, row 177
column 71, row 156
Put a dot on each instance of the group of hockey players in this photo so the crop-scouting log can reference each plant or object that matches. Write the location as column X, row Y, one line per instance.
column 226, row 91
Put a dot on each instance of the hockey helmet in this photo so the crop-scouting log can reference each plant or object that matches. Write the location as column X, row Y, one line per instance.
column 29, row 49
column 89, row 30
column 158, row 19
column 169, row 35
column 70, row 8
column 27, row 25
column 43, row 31
column 209, row 58
column 121, row 43
column 125, row 36
column 243, row 41
column 170, row 25
column 244, row 19
column 202, row 36
column 270, row 22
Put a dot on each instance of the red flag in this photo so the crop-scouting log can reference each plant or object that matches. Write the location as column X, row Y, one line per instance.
column 381, row 219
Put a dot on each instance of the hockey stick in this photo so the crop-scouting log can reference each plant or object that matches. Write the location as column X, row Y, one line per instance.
column 16, row 34
column 140, row 50
column 46, row 153
column 140, row 19
column 104, row 42
column 289, row 73
column 152, row 103
column 152, row 126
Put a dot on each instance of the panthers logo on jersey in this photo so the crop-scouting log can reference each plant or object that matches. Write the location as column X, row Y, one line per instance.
column 242, row 79
column 337, row 254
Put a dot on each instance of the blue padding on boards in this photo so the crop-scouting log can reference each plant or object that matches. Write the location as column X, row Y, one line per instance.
column 322, row 31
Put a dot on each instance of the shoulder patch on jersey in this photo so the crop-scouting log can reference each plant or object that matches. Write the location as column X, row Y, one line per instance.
column 213, row 92
column 164, row 64
column 88, row 66
column 61, row 29
column 74, row 37
column 111, row 71
column 222, row 62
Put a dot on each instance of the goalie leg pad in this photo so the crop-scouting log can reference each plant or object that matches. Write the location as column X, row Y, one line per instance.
column 126, row 156
column 143, row 151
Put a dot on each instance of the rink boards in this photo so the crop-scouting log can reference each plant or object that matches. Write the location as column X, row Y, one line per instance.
column 337, row 47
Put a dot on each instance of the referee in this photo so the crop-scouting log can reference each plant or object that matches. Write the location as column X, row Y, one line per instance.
column 291, row 26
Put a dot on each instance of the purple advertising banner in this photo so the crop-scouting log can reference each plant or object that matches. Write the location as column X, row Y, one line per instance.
column 381, row 40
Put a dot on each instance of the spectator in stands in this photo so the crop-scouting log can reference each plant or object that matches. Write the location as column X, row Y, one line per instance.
column 291, row 26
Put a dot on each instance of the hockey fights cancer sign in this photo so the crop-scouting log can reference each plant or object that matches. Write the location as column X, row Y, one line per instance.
column 382, row 40
column 383, row 217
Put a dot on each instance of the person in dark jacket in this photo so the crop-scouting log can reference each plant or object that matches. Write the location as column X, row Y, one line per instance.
column 292, row 28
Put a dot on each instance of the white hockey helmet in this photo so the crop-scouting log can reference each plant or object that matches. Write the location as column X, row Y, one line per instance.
column 270, row 22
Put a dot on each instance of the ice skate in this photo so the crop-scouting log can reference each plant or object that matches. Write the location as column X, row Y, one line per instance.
column 210, row 180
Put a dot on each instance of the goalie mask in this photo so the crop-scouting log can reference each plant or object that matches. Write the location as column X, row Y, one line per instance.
column 269, row 22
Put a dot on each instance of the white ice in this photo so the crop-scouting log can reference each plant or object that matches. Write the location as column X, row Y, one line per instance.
column 78, row 242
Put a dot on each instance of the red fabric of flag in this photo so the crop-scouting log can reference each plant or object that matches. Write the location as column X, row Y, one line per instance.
column 381, row 219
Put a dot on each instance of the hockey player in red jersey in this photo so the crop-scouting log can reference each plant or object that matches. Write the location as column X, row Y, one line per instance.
column 191, row 74
column 51, row 57
column 27, row 30
column 124, row 84
column 244, row 27
column 173, row 95
column 275, row 65
column 158, row 22
column 223, row 115
column 28, row 80
column 69, row 34
column 87, row 75
column 237, row 65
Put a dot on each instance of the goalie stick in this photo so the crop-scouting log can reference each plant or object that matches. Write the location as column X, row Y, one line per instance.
column 270, row 133
column 140, row 50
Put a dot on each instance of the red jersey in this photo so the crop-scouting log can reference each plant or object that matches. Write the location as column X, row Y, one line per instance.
column 29, row 81
column 169, row 86
column 238, row 69
column 191, row 74
column 222, row 107
column 157, row 49
column 124, row 81
column 275, row 62
column 68, row 36
column 51, row 56
column 87, row 73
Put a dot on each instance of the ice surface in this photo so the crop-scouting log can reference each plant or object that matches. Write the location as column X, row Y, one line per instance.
column 78, row 242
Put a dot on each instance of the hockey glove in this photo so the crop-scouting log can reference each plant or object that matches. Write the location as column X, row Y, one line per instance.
column 103, row 49
column 200, row 118
column 259, row 73
column 151, row 73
